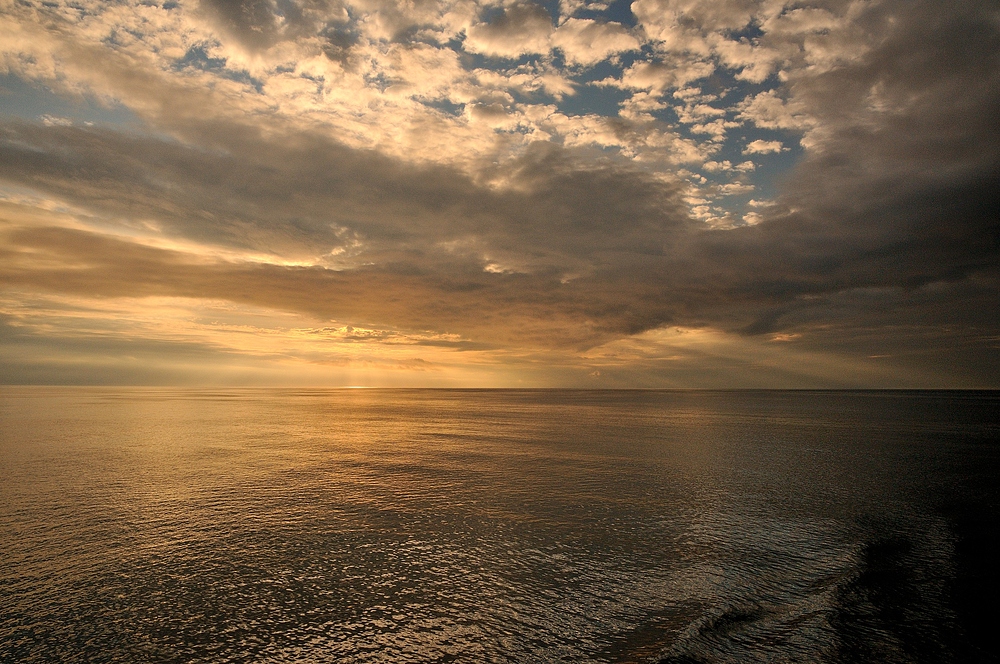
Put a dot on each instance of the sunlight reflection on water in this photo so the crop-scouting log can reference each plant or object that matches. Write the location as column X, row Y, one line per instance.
column 505, row 526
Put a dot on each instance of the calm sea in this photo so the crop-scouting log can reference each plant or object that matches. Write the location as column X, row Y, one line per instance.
column 162, row 525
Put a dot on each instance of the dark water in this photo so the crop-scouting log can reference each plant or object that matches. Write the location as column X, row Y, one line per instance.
column 498, row 526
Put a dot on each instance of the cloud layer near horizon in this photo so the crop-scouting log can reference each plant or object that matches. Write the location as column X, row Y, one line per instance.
column 487, row 194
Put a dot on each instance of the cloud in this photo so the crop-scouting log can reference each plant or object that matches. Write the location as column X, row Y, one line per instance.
column 359, row 165
column 715, row 166
column 518, row 30
column 755, row 63
column 679, row 24
column 660, row 76
column 252, row 22
column 587, row 42
column 768, row 111
column 763, row 147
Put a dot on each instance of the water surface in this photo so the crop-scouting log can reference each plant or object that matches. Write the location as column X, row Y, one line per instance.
column 160, row 525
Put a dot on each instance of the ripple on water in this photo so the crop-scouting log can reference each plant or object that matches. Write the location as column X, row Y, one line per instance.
column 403, row 526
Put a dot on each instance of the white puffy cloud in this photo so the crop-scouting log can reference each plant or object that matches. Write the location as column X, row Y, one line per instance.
column 350, row 68
column 735, row 188
column 519, row 30
column 586, row 42
column 798, row 21
column 763, row 147
column 673, row 21
column 789, row 37
column 527, row 29
column 567, row 8
column 755, row 63
column 769, row 111
column 715, row 166
column 387, row 20
column 659, row 76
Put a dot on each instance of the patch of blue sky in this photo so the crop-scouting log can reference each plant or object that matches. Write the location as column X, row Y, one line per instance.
column 771, row 169
column 445, row 106
column 609, row 68
column 197, row 57
column 550, row 6
column 492, row 12
column 724, row 85
column 668, row 115
column 593, row 99
column 497, row 62
column 750, row 31
column 114, row 41
column 588, row 98
column 35, row 102
column 526, row 97
column 620, row 11
column 455, row 44
column 379, row 81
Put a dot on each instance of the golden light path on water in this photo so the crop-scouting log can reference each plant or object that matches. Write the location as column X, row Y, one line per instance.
column 509, row 526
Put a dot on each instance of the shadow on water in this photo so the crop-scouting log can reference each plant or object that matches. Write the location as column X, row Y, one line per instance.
column 901, row 602
column 883, row 614
column 911, row 601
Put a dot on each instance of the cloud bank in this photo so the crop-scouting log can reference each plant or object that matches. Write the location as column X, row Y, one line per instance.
column 681, row 194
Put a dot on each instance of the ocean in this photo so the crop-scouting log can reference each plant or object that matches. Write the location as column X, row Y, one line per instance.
column 339, row 525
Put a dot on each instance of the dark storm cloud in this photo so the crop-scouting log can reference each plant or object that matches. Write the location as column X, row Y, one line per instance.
column 901, row 189
column 298, row 195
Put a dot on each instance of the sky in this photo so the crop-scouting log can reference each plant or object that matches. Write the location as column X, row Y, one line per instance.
column 648, row 194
